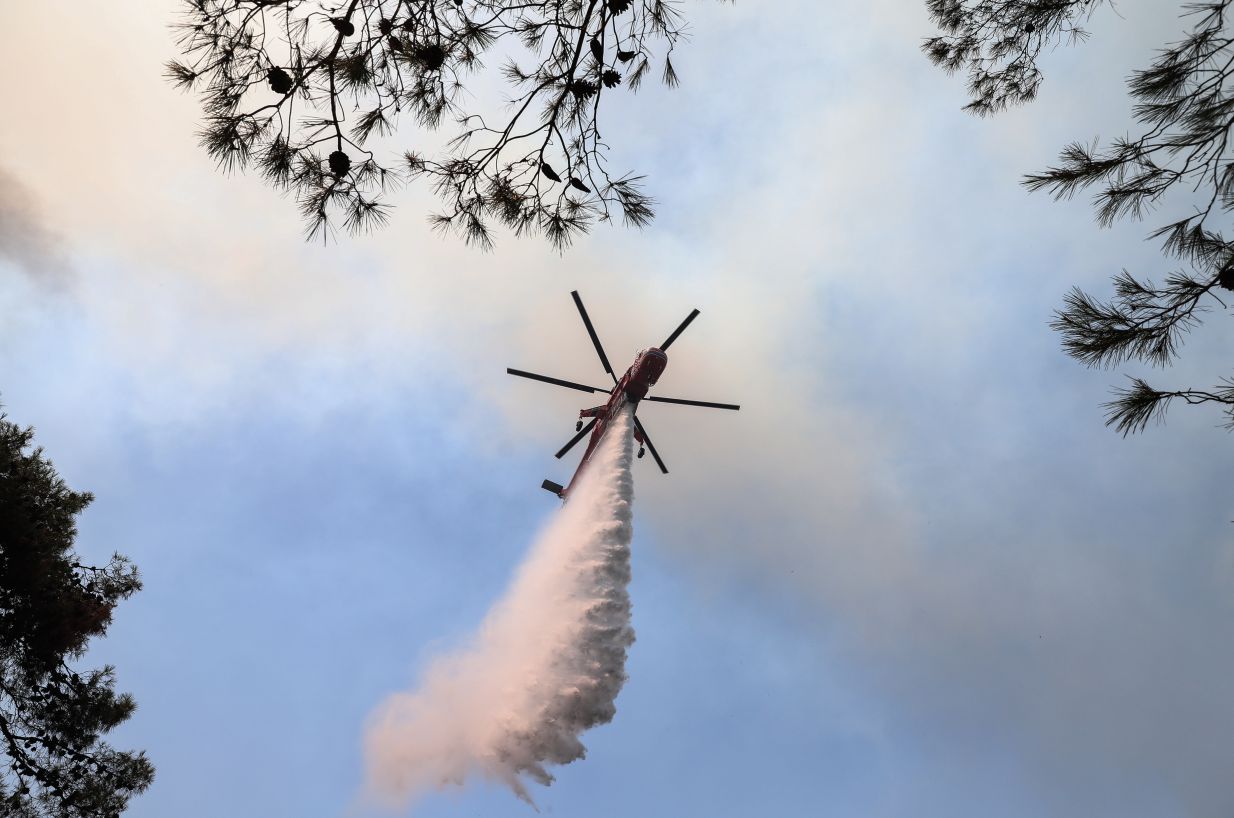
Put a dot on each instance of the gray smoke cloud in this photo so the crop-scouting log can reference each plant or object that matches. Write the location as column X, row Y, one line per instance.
column 545, row 666
column 24, row 239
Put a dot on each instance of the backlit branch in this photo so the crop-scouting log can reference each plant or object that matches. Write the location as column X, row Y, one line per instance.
column 1184, row 105
column 998, row 43
column 1135, row 406
column 305, row 90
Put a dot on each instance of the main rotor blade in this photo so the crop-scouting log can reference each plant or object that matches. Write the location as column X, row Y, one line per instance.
column 685, row 402
column 582, row 434
column 595, row 339
column 650, row 447
column 554, row 381
column 679, row 330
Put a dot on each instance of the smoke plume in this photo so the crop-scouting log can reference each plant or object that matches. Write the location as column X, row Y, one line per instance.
column 546, row 664
column 25, row 240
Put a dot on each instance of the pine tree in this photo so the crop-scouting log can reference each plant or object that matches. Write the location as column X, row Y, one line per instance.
column 304, row 90
column 1184, row 113
column 53, row 714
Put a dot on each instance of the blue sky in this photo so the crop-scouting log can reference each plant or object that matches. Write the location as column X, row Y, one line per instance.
column 914, row 576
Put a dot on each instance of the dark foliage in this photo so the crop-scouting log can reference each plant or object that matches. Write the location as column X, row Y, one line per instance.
column 998, row 43
column 298, row 88
column 1184, row 110
column 52, row 715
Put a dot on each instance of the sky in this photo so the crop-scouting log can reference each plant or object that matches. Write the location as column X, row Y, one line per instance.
column 915, row 575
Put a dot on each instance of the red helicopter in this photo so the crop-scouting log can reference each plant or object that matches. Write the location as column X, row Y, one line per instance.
column 631, row 388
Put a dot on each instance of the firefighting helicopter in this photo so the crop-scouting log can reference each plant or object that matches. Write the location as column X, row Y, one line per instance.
column 629, row 389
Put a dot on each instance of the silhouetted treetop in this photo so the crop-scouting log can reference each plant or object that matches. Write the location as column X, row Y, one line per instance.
column 53, row 715
column 304, row 89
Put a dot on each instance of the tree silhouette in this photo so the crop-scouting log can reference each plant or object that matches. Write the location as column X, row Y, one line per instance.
column 1184, row 113
column 303, row 90
column 53, row 716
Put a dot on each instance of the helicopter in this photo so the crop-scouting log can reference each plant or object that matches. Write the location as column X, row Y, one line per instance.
column 628, row 390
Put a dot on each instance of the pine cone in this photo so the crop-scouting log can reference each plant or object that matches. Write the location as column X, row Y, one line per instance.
column 280, row 80
column 340, row 163
column 582, row 89
column 577, row 183
column 610, row 78
column 597, row 50
column 432, row 56
column 626, row 56
column 618, row 6
column 549, row 172
column 343, row 26
column 1225, row 278
column 385, row 26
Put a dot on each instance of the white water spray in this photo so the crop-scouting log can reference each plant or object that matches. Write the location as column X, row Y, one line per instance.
column 546, row 664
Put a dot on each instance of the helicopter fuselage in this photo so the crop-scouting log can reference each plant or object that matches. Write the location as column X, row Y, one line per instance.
column 630, row 389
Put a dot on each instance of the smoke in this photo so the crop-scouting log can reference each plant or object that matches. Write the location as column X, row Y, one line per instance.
column 25, row 241
column 546, row 664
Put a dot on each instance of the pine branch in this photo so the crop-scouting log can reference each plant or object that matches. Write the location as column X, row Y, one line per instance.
column 1134, row 407
column 1184, row 104
column 1141, row 321
column 281, row 80
column 999, row 42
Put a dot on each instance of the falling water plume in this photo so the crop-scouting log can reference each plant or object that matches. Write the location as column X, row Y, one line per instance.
column 546, row 664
